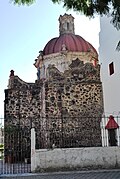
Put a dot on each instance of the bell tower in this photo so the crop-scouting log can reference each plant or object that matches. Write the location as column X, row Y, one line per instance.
column 66, row 24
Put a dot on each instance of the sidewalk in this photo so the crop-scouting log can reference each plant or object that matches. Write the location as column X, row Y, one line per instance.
column 94, row 174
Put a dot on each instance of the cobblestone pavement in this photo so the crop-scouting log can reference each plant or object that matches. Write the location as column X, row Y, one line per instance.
column 98, row 174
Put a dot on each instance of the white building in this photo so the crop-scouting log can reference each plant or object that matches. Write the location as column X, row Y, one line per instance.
column 108, row 39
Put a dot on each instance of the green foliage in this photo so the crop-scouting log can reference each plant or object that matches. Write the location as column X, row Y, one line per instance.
column 1, row 146
column 1, row 151
column 92, row 7
column 1, row 157
column 89, row 8
column 23, row 2
column 118, row 46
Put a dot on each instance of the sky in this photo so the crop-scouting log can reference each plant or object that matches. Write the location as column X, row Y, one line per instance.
column 25, row 30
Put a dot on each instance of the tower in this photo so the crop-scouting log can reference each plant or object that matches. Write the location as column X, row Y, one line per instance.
column 66, row 24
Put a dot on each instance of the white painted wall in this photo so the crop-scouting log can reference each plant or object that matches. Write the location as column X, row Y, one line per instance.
column 62, row 60
column 108, row 39
column 94, row 157
column 33, row 149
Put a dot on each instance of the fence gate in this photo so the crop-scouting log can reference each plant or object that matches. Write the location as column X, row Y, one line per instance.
column 15, row 151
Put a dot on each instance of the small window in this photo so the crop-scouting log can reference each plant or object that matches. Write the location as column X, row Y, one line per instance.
column 111, row 68
column 67, row 26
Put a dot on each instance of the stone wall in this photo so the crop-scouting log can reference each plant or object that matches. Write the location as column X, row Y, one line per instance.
column 22, row 101
column 65, row 108
column 74, row 105
column 22, row 105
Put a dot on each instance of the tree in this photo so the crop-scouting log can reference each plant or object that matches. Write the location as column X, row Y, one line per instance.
column 23, row 2
column 89, row 8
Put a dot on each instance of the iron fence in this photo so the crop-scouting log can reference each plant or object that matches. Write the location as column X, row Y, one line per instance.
column 16, row 151
column 54, row 132
column 1, row 131
column 67, row 132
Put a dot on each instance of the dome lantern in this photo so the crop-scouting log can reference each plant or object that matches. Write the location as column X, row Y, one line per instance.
column 66, row 24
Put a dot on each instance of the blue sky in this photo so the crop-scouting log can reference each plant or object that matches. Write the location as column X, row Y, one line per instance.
column 24, row 31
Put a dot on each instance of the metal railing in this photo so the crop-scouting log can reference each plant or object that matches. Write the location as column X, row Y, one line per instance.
column 67, row 132
column 16, row 151
column 55, row 132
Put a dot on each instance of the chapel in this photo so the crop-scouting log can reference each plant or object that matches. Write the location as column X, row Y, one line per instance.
column 65, row 103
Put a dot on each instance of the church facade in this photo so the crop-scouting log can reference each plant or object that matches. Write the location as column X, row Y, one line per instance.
column 65, row 104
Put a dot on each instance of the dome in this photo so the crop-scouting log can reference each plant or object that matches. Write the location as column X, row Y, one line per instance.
column 72, row 43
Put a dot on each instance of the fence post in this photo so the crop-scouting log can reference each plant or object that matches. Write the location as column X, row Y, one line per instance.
column 33, row 149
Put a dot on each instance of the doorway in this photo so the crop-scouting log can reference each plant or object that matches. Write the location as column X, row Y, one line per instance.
column 112, row 137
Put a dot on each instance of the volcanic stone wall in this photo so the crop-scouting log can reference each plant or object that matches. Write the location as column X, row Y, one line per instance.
column 22, row 102
column 65, row 109
column 22, row 110
column 74, row 105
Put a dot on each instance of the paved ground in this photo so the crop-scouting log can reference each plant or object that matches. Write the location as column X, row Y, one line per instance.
column 6, row 168
column 98, row 174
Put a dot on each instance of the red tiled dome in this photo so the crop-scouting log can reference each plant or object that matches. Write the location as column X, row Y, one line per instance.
column 73, row 43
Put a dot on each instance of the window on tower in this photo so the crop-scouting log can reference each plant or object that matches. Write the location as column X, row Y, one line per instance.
column 68, row 26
